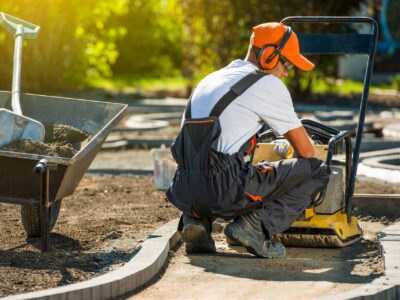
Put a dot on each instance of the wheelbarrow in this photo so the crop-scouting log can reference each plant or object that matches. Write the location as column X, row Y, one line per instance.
column 40, row 182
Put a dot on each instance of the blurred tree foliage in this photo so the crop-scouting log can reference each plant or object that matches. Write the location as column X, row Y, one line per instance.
column 218, row 31
column 152, row 46
column 76, row 42
column 82, row 40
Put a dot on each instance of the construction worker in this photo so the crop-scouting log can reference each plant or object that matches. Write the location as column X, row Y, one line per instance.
column 214, row 177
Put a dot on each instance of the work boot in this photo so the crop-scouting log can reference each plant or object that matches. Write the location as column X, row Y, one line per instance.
column 196, row 233
column 254, row 220
column 247, row 230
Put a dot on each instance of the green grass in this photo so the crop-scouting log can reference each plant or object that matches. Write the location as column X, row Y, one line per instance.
column 345, row 87
column 128, row 81
column 328, row 85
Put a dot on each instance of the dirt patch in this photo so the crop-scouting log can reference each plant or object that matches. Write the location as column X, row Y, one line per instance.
column 99, row 228
column 60, row 140
column 61, row 133
column 103, row 223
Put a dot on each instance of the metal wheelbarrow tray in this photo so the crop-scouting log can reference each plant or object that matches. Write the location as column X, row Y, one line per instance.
column 19, row 180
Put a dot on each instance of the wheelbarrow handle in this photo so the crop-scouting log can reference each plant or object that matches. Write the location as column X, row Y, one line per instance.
column 13, row 25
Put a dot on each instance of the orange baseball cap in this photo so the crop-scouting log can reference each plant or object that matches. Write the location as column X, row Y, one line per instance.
column 272, row 33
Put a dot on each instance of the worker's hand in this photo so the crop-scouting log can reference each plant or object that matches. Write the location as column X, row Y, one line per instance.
column 283, row 148
column 301, row 142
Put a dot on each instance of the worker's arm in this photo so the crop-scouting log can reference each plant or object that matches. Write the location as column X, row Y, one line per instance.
column 300, row 141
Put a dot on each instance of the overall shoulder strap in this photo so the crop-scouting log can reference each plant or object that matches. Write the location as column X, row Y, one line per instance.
column 235, row 91
column 188, row 108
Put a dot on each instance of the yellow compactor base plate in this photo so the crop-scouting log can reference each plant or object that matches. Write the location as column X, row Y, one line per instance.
column 321, row 231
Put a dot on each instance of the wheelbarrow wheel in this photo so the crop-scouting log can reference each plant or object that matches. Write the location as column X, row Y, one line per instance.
column 30, row 216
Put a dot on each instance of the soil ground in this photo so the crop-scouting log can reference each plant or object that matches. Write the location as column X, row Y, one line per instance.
column 99, row 228
column 103, row 223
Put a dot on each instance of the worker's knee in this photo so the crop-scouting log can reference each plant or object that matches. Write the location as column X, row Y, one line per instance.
column 315, row 163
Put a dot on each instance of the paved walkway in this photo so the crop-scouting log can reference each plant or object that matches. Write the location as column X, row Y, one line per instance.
column 232, row 273
column 386, row 287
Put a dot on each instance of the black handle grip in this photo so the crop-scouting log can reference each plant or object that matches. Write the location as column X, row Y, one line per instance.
column 43, row 165
column 40, row 167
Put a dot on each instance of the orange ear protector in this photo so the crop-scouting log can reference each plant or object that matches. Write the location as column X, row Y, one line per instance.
column 270, row 53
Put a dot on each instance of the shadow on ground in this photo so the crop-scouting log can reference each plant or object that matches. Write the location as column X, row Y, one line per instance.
column 354, row 264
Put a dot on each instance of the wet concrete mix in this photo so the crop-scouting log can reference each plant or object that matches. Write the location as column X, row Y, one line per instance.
column 60, row 140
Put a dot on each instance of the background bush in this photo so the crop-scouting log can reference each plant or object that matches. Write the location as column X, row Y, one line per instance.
column 85, row 40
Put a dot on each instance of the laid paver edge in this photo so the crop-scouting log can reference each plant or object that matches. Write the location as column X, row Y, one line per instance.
column 387, row 286
column 135, row 273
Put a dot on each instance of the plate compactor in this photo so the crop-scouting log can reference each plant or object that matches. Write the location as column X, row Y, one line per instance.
column 330, row 222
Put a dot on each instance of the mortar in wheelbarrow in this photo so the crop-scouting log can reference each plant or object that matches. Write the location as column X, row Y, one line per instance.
column 18, row 183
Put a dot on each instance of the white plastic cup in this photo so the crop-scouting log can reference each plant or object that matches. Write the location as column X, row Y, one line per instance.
column 164, row 167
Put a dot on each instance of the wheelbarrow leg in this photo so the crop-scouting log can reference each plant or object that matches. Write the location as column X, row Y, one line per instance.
column 43, row 168
column 44, row 212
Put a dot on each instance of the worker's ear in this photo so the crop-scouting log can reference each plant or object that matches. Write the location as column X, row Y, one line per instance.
column 270, row 53
column 269, row 56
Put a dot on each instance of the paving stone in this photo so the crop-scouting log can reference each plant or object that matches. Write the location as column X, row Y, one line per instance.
column 392, row 230
column 390, row 245
column 96, row 292
column 87, row 294
column 392, row 262
column 105, row 291
column 114, row 288
column 145, row 276
column 58, row 297
column 391, row 238
column 74, row 295
column 130, row 283
column 140, row 279
column 123, row 283
column 392, row 272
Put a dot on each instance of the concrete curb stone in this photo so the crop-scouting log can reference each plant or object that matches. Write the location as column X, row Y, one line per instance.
column 390, row 162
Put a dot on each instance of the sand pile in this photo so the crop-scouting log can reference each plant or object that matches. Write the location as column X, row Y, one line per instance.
column 60, row 140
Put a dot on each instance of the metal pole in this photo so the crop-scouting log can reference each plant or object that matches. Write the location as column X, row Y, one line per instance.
column 44, row 211
column 16, row 80
column 43, row 168
column 361, row 119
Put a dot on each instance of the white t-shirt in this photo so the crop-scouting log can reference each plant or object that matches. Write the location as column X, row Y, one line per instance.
column 266, row 101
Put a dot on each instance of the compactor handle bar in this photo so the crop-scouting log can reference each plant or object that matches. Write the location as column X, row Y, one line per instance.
column 343, row 43
column 330, row 19
column 334, row 137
